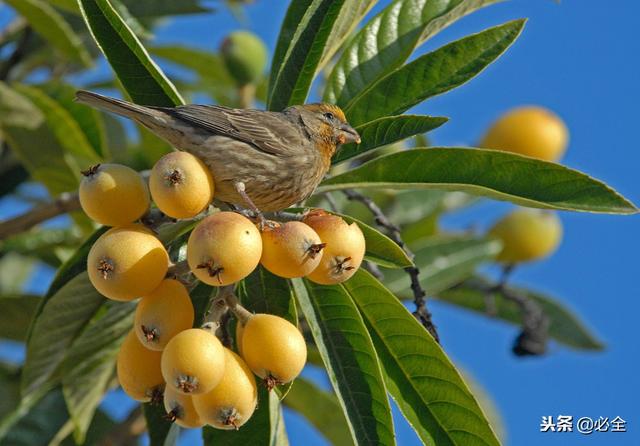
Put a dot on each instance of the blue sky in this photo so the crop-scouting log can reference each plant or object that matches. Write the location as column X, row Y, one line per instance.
column 578, row 58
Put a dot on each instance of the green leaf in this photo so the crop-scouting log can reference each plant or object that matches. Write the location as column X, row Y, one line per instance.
column 161, row 431
column 388, row 40
column 145, row 83
column 304, row 34
column 10, row 385
column 350, row 359
column 387, row 130
column 321, row 409
column 215, row 78
column 90, row 363
column 490, row 173
column 380, row 249
column 47, row 22
column 432, row 74
column 565, row 326
column 158, row 8
column 90, row 120
column 15, row 315
column 421, row 379
column 79, row 153
column 352, row 13
column 263, row 292
column 44, row 244
column 63, row 317
column 35, row 423
column 24, row 128
column 264, row 428
column 444, row 260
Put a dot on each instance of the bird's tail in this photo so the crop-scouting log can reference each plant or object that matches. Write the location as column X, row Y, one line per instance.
column 113, row 105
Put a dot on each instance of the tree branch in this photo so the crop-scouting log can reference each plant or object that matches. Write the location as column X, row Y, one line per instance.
column 534, row 336
column 66, row 202
column 419, row 295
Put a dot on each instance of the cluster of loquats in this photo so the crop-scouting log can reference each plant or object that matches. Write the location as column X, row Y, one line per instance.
column 164, row 357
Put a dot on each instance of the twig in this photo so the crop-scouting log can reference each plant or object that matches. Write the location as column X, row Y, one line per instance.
column 374, row 270
column 66, row 202
column 419, row 295
column 533, row 338
column 127, row 432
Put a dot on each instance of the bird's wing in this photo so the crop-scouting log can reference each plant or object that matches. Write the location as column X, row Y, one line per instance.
column 268, row 132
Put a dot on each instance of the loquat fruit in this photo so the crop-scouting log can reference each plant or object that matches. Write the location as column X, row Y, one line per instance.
column 344, row 247
column 162, row 314
column 273, row 348
column 527, row 234
column 232, row 402
column 138, row 370
column 193, row 361
column 181, row 185
column 224, row 248
column 291, row 249
column 127, row 262
column 180, row 409
column 532, row 131
column 113, row 194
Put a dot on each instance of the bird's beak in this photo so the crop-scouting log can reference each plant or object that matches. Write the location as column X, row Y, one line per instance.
column 348, row 134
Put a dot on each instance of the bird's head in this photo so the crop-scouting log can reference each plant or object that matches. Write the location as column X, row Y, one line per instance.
column 327, row 123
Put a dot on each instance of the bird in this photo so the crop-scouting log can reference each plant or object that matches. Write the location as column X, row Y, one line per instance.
column 264, row 160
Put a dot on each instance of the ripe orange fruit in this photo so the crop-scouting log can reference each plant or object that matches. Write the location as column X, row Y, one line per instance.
column 181, row 185
column 291, row 249
column 232, row 402
column 344, row 250
column 127, row 262
column 224, row 248
column 113, row 194
column 180, row 409
column 162, row 314
column 138, row 370
column 193, row 361
column 527, row 234
column 274, row 348
column 532, row 131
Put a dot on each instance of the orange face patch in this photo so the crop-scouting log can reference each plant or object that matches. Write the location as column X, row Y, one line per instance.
column 327, row 108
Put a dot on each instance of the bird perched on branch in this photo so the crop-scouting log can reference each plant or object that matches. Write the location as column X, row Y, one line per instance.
column 267, row 160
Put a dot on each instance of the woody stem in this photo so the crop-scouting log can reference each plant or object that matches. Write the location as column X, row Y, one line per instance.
column 419, row 295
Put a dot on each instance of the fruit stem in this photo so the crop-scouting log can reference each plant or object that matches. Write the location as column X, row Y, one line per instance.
column 241, row 313
column 178, row 269
column 217, row 308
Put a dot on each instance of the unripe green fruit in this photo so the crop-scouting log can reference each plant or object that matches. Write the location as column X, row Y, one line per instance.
column 274, row 348
column 527, row 234
column 162, row 314
column 224, row 248
column 193, row 361
column 113, row 194
column 127, row 262
column 139, row 370
column 180, row 409
column 245, row 56
column 232, row 402
column 531, row 131
column 181, row 185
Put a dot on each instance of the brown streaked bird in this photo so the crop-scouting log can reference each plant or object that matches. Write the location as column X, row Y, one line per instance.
column 266, row 160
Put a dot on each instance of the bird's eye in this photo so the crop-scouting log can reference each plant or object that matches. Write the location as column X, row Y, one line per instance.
column 329, row 116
